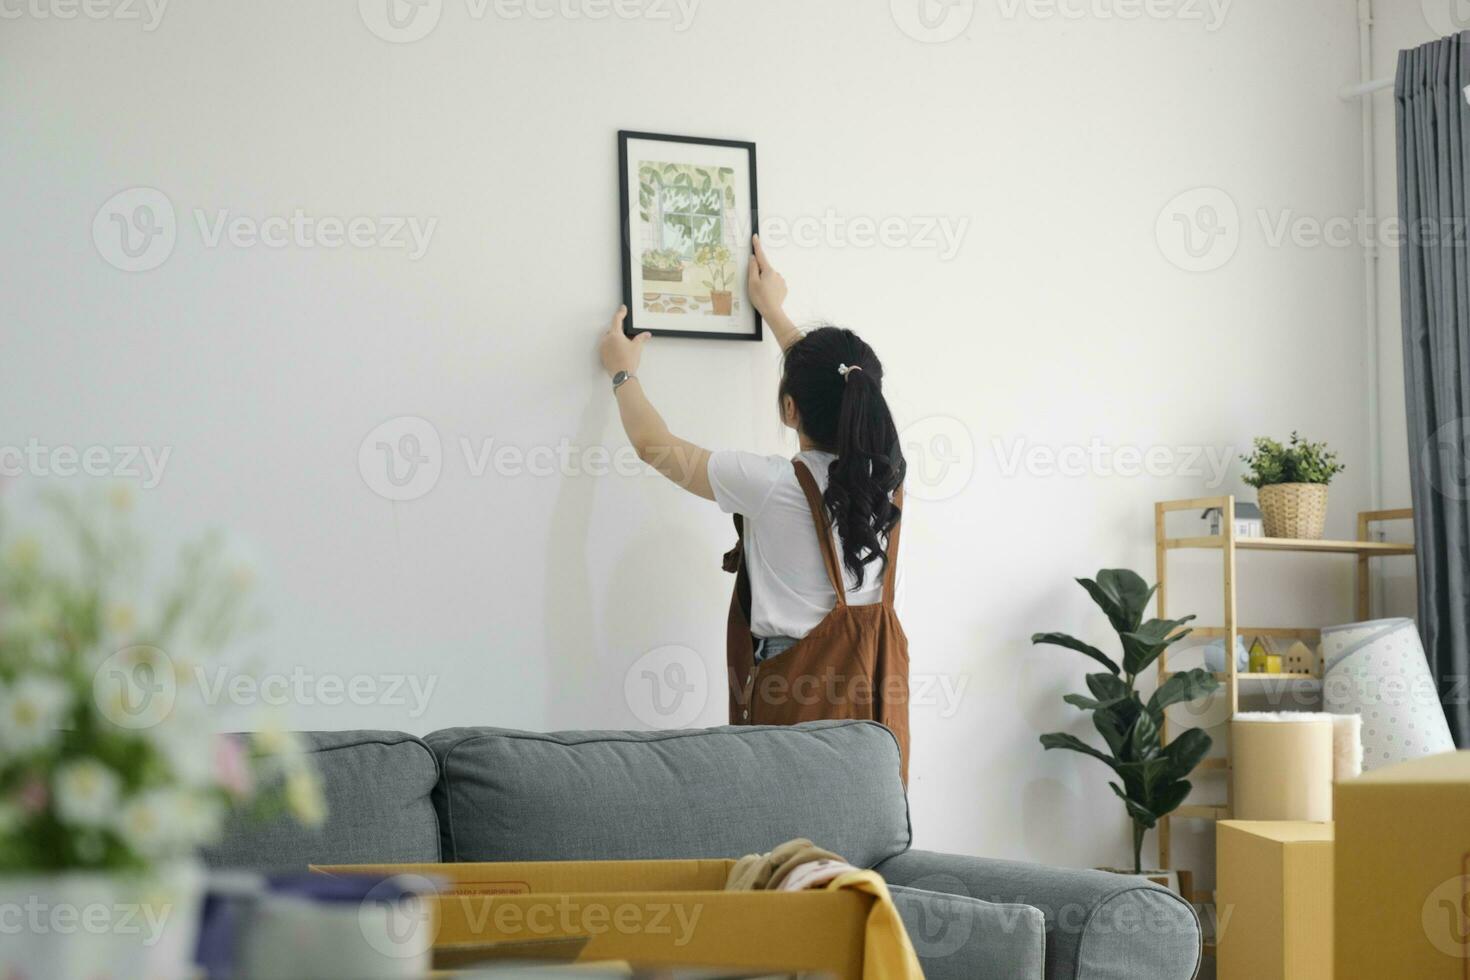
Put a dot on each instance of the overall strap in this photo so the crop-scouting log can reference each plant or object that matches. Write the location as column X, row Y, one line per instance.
column 824, row 528
column 890, row 573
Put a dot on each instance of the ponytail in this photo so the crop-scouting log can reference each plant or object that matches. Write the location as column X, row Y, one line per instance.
column 837, row 383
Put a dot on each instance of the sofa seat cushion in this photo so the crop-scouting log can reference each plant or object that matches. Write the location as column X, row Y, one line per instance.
column 961, row 938
column 700, row 793
column 377, row 787
column 1099, row 926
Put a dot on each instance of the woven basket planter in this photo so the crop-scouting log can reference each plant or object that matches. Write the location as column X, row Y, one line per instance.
column 1293, row 510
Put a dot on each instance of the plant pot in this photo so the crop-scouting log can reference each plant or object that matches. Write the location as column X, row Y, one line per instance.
column 663, row 275
column 1294, row 510
column 722, row 302
column 103, row 926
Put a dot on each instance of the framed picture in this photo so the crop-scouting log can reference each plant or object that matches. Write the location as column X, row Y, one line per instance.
column 688, row 208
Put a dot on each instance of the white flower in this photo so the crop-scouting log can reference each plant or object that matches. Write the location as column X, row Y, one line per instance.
column 196, row 817
column 282, row 746
column 86, row 793
column 190, row 754
column 143, row 823
column 304, row 798
column 31, row 712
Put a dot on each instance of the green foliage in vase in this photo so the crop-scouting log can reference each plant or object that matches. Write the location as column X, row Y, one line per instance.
column 1297, row 462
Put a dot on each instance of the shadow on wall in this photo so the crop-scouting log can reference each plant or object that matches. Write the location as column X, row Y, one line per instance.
column 655, row 659
column 570, row 649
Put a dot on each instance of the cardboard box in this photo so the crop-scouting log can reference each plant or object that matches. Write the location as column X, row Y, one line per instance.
column 1403, row 857
column 1273, row 900
column 645, row 912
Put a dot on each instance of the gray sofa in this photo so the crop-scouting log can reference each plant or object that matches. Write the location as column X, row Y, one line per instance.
column 486, row 794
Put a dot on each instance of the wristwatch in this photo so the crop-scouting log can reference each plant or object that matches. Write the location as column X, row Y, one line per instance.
column 620, row 378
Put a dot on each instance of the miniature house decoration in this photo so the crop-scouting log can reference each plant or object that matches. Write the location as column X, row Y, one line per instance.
column 1248, row 523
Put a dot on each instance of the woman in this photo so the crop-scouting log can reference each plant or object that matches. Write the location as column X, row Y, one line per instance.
column 812, row 631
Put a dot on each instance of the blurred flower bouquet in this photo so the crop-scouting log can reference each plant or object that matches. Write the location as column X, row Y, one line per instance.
column 109, row 769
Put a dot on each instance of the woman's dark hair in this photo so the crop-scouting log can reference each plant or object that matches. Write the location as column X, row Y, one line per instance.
column 844, row 412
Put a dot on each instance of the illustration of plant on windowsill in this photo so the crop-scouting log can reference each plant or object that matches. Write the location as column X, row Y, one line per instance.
column 663, row 265
column 716, row 259
column 684, row 210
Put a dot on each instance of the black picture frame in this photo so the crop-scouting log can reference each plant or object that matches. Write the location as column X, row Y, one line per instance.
column 630, row 324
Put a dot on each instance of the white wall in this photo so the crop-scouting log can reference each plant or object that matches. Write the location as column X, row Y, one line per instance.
column 1061, row 320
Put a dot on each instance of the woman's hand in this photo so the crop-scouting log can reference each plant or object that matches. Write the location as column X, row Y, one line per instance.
column 767, row 289
column 766, row 286
column 619, row 351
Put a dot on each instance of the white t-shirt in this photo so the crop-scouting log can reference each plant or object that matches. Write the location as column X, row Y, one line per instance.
column 789, row 589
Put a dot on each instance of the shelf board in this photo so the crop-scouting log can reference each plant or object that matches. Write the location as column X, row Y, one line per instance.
column 1247, row 676
column 1203, row 811
column 1364, row 548
column 1274, row 632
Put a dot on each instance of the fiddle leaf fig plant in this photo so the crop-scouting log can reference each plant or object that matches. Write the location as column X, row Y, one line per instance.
column 1151, row 775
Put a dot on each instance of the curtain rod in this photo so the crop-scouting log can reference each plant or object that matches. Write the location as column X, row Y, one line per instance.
column 1349, row 92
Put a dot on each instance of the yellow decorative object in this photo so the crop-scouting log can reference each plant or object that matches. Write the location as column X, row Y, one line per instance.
column 1300, row 659
column 1259, row 655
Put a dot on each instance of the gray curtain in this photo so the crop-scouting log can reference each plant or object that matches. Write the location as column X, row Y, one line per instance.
column 1433, row 126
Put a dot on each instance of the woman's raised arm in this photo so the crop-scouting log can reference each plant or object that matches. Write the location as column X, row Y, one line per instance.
column 678, row 459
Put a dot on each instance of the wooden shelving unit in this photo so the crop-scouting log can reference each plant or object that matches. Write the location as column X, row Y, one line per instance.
column 1229, row 545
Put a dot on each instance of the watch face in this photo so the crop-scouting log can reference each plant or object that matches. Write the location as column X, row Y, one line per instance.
column 619, row 378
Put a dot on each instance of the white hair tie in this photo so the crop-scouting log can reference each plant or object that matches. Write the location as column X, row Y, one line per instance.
column 844, row 370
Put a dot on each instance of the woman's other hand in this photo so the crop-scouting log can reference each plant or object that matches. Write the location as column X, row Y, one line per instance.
column 767, row 289
column 766, row 286
column 619, row 351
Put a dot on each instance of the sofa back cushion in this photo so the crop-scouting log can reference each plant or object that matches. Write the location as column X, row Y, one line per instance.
column 377, row 787
column 703, row 793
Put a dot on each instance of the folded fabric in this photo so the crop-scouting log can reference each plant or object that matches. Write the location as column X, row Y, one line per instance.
column 813, row 874
column 760, row 872
column 800, row 865
column 887, row 952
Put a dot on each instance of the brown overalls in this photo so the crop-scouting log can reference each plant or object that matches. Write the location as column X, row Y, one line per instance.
column 853, row 664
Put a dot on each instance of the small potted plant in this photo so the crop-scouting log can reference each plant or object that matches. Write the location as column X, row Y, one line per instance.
column 1291, row 485
column 716, row 259
column 663, row 265
column 111, row 776
column 1152, row 776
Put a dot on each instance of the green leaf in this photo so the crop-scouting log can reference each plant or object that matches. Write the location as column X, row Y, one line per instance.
column 1112, row 723
column 1122, row 594
column 1107, row 687
column 1186, row 751
column 1072, row 643
column 1081, row 701
column 1167, row 798
column 1058, row 740
column 1136, row 810
column 1143, row 739
column 1188, row 685
column 1142, row 646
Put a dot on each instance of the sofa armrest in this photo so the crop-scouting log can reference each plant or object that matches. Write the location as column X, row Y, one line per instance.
column 1099, row 926
column 961, row 938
